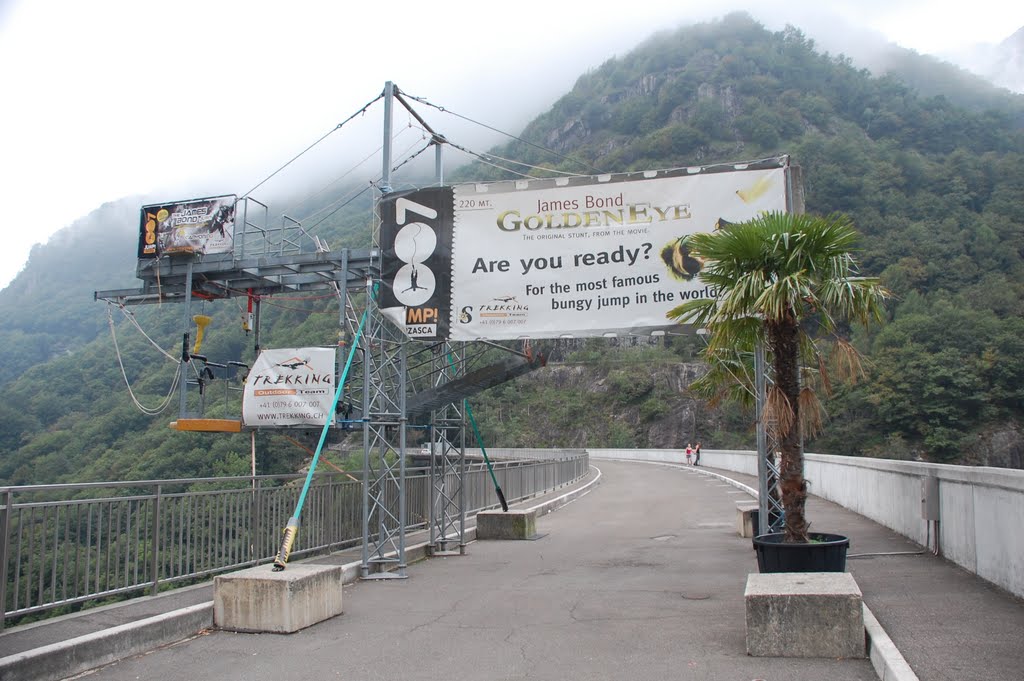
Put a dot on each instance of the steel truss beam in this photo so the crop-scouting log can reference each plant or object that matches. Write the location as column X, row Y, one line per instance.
column 384, row 363
column 383, row 351
column 215, row 277
column 448, row 459
column 770, row 514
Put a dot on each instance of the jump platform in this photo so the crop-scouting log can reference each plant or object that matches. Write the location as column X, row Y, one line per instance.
column 208, row 425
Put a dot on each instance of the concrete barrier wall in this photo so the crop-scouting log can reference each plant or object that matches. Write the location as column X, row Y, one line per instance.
column 504, row 453
column 731, row 460
column 981, row 510
column 664, row 455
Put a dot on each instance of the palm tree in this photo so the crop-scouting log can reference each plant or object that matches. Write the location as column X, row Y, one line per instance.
column 778, row 276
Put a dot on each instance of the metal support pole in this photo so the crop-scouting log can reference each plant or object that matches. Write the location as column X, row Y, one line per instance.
column 760, row 398
column 5, row 543
column 439, row 162
column 364, row 571
column 344, row 343
column 432, row 502
column 343, row 336
column 154, row 561
column 257, row 308
column 239, row 239
column 385, row 175
column 402, row 424
column 462, row 479
column 255, row 527
column 185, row 362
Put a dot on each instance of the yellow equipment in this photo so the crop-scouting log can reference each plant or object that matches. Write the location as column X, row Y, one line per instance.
column 202, row 321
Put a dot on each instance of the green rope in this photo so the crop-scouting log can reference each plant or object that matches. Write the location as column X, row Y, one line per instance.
column 293, row 523
column 334, row 406
column 480, row 441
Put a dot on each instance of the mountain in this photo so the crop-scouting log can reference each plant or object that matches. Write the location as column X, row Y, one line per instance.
column 48, row 308
column 929, row 166
column 931, row 174
column 1007, row 67
column 1002, row 64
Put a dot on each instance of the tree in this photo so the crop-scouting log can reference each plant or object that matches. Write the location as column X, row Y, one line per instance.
column 777, row 276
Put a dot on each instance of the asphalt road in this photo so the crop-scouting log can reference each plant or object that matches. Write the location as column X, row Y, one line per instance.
column 642, row 578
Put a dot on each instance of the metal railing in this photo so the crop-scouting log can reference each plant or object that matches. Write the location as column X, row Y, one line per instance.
column 62, row 546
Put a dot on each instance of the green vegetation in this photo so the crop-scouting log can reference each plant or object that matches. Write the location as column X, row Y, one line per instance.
column 785, row 281
column 934, row 183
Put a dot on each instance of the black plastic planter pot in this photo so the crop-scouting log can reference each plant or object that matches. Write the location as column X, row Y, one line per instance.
column 824, row 553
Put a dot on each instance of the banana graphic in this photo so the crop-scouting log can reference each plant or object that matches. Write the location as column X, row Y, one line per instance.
column 755, row 191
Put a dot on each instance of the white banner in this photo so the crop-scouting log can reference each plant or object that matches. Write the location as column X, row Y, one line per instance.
column 591, row 256
column 289, row 387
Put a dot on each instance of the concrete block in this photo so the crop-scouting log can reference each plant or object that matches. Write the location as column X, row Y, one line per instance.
column 261, row 600
column 745, row 518
column 506, row 525
column 804, row 614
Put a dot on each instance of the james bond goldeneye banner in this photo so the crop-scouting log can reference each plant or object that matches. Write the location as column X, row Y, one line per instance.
column 584, row 256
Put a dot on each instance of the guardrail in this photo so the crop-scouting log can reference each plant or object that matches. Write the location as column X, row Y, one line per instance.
column 64, row 545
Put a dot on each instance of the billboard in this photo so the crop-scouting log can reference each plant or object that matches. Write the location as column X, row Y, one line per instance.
column 197, row 226
column 416, row 250
column 289, row 387
column 579, row 256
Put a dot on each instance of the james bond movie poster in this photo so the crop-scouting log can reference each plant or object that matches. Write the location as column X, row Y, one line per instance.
column 197, row 226
column 578, row 256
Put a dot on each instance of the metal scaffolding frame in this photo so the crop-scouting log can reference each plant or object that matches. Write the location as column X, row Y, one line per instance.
column 770, row 510
column 447, row 445
column 384, row 356
column 269, row 260
column 392, row 376
column 382, row 377
column 261, row 274
column 768, row 477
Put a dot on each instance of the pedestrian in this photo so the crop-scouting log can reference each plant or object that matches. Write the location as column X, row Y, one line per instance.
column 696, row 455
column 689, row 452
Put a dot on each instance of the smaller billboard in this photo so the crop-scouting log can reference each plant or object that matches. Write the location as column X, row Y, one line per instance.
column 416, row 262
column 195, row 226
column 289, row 387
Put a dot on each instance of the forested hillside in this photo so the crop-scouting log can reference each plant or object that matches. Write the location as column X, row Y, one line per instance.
column 932, row 175
column 936, row 189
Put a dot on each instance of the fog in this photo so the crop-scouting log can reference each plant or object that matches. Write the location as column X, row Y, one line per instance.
column 123, row 98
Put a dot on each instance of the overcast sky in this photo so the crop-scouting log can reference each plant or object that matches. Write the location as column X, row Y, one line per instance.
column 111, row 98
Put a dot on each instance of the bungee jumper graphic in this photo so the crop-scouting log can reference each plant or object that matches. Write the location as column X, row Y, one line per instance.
column 414, row 281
